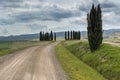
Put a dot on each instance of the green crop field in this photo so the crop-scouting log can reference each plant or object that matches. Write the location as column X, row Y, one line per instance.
column 106, row 60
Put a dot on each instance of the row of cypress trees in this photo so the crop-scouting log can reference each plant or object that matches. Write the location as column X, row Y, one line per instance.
column 47, row 36
column 72, row 35
column 94, row 30
column 95, row 33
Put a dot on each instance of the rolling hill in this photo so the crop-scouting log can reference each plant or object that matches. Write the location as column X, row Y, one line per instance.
column 111, row 33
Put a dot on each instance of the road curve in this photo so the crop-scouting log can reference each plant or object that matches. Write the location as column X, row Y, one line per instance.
column 35, row 63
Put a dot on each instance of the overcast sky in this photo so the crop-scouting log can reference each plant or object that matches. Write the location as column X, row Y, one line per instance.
column 31, row 16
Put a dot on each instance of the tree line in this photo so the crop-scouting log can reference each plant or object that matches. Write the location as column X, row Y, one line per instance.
column 94, row 30
column 46, row 36
column 72, row 35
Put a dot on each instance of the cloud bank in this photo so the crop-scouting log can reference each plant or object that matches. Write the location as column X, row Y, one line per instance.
column 31, row 16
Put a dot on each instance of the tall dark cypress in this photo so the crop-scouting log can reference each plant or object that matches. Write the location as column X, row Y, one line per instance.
column 47, row 36
column 75, row 35
column 51, row 35
column 43, row 36
column 79, row 35
column 95, row 34
column 71, row 35
column 55, row 36
column 65, row 35
column 40, row 35
column 99, row 15
column 68, row 36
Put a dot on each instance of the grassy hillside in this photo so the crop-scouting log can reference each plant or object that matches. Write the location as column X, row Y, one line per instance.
column 76, row 69
column 8, row 47
column 106, row 60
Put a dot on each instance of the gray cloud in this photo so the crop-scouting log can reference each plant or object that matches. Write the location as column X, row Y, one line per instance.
column 6, row 21
column 10, row 3
column 53, row 13
column 5, row 31
column 24, row 12
column 43, row 15
column 37, row 26
column 108, row 5
column 2, row 1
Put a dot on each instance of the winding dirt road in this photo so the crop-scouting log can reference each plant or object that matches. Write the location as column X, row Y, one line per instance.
column 35, row 63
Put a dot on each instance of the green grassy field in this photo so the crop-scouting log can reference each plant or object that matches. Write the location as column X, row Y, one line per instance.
column 106, row 60
column 7, row 47
column 76, row 69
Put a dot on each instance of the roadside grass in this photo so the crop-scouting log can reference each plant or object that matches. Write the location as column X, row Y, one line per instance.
column 106, row 60
column 76, row 69
column 7, row 47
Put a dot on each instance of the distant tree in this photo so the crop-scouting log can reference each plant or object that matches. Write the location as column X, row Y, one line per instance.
column 40, row 36
column 55, row 36
column 65, row 35
column 71, row 35
column 79, row 35
column 95, row 34
column 51, row 35
column 68, row 36
column 47, row 36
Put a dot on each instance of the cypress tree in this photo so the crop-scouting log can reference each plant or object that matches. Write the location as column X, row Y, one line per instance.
column 43, row 36
column 75, row 35
column 68, row 36
column 71, row 35
column 99, row 17
column 51, row 35
column 40, row 35
column 79, row 35
column 95, row 34
column 65, row 35
column 47, row 36
column 55, row 36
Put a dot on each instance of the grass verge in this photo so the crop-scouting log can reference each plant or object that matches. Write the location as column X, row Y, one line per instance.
column 75, row 68
column 106, row 60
